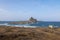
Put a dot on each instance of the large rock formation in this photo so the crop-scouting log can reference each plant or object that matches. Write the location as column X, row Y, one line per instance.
column 32, row 20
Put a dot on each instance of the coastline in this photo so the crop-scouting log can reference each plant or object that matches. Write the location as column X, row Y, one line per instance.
column 22, row 33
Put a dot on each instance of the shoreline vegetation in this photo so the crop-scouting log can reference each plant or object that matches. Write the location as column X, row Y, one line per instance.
column 21, row 33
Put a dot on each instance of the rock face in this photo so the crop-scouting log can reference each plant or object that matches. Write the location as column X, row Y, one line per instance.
column 32, row 20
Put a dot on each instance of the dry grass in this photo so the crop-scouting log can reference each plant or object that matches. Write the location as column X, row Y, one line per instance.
column 17, row 33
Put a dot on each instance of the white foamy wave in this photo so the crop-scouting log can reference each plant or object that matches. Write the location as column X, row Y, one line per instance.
column 30, row 26
column 26, row 26
column 4, row 24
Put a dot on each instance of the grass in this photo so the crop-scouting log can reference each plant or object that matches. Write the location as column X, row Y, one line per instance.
column 17, row 33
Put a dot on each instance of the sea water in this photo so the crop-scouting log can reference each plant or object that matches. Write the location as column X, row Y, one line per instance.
column 38, row 24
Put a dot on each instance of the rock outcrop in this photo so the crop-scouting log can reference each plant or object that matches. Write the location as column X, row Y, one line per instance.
column 32, row 20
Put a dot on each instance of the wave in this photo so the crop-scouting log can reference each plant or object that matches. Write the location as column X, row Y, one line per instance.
column 25, row 25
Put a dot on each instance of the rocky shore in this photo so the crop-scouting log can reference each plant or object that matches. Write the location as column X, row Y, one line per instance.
column 21, row 33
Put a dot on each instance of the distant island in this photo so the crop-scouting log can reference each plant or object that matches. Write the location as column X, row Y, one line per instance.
column 30, row 21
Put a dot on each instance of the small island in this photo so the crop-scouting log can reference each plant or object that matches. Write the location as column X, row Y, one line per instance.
column 29, row 21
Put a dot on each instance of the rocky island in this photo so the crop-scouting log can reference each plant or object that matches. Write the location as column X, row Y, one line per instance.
column 29, row 21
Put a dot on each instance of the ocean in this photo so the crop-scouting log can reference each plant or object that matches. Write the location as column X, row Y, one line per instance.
column 38, row 24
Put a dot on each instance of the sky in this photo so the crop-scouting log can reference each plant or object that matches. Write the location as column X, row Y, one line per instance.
column 19, row 10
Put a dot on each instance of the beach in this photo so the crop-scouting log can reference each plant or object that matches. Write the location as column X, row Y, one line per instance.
column 22, row 33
